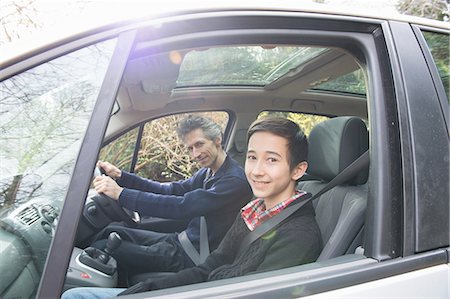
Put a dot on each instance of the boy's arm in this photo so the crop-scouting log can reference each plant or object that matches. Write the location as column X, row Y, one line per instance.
column 292, row 248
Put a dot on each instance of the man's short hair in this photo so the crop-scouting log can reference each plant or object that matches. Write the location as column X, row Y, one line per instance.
column 211, row 130
column 283, row 127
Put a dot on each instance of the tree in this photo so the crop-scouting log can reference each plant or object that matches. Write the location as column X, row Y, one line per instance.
column 16, row 17
column 431, row 9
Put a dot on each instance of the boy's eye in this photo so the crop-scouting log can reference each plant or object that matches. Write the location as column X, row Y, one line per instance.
column 272, row 160
column 251, row 157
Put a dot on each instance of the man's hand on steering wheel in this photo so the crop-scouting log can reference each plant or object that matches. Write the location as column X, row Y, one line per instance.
column 106, row 185
column 109, row 169
column 108, row 194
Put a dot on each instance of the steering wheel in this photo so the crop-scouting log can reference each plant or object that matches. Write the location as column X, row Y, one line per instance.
column 111, row 207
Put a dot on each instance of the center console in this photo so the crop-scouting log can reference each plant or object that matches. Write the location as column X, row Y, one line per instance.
column 93, row 267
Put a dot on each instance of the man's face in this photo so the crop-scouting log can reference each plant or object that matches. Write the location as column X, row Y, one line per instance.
column 202, row 149
column 267, row 168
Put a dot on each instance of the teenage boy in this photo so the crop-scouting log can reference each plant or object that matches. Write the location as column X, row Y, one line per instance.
column 276, row 159
column 217, row 192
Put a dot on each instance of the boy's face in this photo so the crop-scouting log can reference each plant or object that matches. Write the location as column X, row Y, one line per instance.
column 202, row 149
column 267, row 168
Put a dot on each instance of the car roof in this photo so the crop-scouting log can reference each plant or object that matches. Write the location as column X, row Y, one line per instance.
column 137, row 13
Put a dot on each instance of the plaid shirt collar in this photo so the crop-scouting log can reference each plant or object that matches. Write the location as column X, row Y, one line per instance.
column 255, row 213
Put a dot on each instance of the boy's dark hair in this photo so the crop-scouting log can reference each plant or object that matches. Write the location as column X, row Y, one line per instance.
column 192, row 122
column 283, row 127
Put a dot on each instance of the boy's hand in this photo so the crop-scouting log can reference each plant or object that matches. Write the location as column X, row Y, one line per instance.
column 106, row 185
column 109, row 169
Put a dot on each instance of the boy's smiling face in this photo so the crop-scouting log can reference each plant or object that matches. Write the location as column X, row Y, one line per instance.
column 267, row 168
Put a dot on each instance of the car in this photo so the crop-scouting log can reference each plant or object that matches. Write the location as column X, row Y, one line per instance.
column 116, row 92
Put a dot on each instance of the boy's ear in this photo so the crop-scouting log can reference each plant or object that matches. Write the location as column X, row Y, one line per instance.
column 299, row 170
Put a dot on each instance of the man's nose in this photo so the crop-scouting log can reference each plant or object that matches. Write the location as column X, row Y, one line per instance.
column 195, row 153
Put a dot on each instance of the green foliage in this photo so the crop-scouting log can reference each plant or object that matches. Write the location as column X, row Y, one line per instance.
column 161, row 156
column 305, row 121
column 431, row 9
column 439, row 47
column 353, row 82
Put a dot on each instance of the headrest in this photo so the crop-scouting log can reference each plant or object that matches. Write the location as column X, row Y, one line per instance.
column 240, row 141
column 336, row 143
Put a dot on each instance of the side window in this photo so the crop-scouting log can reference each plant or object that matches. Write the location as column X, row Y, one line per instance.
column 44, row 112
column 120, row 152
column 305, row 121
column 161, row 156
column 439, row 48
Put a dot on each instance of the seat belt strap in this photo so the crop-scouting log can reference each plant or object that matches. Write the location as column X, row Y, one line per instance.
column 349, row 172
column 189, row 247
column 196, row 257
column 204, row 242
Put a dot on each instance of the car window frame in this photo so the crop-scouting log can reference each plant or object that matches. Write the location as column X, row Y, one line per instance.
column 418, row 31
column 407, row 55
column 361, row 44
column 53, row 276
column 140, row 127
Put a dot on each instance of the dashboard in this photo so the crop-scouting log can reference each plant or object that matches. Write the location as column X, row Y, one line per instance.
column 25, row 236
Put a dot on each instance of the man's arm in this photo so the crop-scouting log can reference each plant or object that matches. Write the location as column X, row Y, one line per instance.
column 132, row 181
column 194, row 203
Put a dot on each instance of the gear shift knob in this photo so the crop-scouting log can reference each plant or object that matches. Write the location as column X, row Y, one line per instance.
column 113, row 242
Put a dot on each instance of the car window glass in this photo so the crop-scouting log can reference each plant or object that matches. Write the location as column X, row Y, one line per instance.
column 161, row 156
column 242, row 65
column 439, row 48
column 352, row 83
column 44, row 112
column 120, row 151
column 305, row 121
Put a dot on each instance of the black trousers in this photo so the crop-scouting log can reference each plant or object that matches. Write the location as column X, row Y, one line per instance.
column 145, row 251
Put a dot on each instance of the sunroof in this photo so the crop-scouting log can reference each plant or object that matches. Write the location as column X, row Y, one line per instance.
column 242, row 65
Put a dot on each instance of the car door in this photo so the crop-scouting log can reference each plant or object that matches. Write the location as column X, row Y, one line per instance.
column 45, row 109
column 406, row 226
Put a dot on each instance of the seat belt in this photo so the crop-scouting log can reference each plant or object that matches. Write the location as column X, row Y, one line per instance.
column 196, row 257
column 349, row 172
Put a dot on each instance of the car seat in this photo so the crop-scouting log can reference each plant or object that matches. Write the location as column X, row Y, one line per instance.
column 340, row 212
column 333, row 145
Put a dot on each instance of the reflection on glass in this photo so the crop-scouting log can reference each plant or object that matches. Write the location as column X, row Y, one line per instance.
column 43, row 116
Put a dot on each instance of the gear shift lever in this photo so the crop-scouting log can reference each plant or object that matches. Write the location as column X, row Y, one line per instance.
column 112, row 244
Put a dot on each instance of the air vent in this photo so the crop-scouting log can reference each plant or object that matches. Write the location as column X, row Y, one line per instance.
column 49, row 208
column 28, row 216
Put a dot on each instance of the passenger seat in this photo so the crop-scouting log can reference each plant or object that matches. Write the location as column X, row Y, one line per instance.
column 333, row 145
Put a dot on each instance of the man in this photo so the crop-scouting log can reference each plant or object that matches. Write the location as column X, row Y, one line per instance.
column 276, row 159
column 216, row 191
